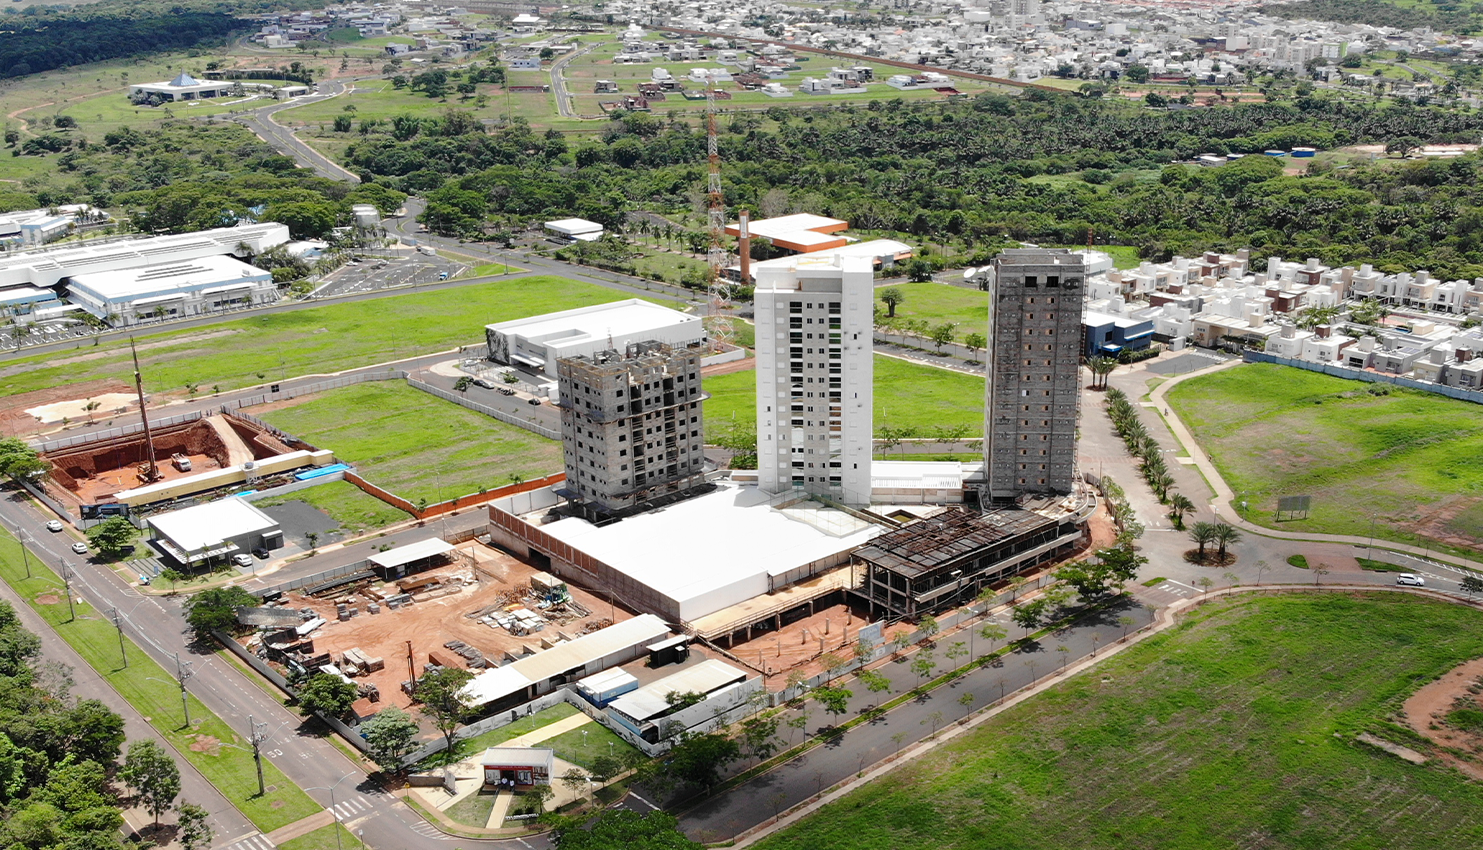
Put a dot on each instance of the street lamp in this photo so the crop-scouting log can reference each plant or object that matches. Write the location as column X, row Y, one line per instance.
column 333, row 813
column 67, row 584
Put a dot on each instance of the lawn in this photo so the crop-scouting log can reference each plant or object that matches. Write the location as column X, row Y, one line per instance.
column 221, row 755
column 353, row 508
column 474, row 809
column 1236, row 729
column 1408, row 459
column 315, row 340
column 585, row 743
column 906, row 396
column 324, row 838
column 936, row 303
column 417, row 445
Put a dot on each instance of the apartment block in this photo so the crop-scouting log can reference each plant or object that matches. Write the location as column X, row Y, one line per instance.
column 1033, row 393
column 814, row 376
column 631, row 426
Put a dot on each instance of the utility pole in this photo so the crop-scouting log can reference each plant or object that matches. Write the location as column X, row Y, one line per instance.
column 24, row 538
column 182, row 675
column 258, row 734
column 67, row 584
column 411, row 670
column 118, row 624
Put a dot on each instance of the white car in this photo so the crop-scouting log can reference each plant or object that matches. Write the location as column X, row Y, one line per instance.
column 242, row 560
column 1413, row 580
column 80, row 548
column 54, row 525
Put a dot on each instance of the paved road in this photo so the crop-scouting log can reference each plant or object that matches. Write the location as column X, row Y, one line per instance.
column 558, row 82
column 260, row 121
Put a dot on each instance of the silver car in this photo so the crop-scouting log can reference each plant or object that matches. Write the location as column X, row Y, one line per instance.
column 1409, row 579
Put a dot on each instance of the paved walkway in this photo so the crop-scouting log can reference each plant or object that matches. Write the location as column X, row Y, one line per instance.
column 1226, row 498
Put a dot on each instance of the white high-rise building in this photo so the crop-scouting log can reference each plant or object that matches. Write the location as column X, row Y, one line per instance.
column 815, row 376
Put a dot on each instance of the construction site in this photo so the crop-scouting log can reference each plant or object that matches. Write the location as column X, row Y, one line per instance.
column 479, row 609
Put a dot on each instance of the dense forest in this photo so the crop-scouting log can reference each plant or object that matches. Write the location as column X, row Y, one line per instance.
column 1441, row 15
column 178, row 176
column 58, row 754
column 1042, row 168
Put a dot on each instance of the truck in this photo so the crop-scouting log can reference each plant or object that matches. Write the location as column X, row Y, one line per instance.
column 423, row 249
column 180, row 462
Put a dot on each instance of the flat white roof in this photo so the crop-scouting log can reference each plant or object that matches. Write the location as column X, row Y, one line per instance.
column 518, row 757
column 619, row 318
column 912, row 474
column 788, row 225
column 717, row 549
column 180, row 276
column 574, row 226
column 203, row 526
column 503, row 681
column 46, row 267
column 703, row 678
column 870, row 249
column 411, row 552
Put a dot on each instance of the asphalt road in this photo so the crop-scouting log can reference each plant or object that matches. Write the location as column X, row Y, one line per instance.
column 260, row 122
column 558, row 82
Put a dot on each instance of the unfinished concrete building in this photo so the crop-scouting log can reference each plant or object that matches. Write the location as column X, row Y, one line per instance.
column 631, row 425
column 1033, row 393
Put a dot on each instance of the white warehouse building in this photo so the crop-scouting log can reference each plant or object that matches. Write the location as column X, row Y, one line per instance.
column 45, row 268
column 538, row 342
column 172, row 290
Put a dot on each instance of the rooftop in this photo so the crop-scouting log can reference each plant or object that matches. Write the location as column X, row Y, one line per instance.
column 205, row 526
column 179, row 276
column 500, row 682
column 619, row 318
column 945, row 537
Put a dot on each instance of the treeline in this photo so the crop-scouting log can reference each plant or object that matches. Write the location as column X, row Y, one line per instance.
column 1446, row 15
column 975, row 173
column 31, row 44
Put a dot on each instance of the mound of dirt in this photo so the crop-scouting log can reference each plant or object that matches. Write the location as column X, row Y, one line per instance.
column 1449, row 713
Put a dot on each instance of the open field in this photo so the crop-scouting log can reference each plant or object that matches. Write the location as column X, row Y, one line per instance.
column 936, row 303
column 1236, row 729
column 223, row 757
column 414, row 444
column 318, row 340
column 1408, row 459
column 354, row 509
column 906, row 395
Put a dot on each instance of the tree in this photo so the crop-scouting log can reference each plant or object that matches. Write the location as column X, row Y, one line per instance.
column 153, row 776
column 836, row 701
column 441, row 693
column 173, row 576
column 923, row 665
column 1224, row 536
column 954, row 652
column 942, row 334
column 966, row 700
column 892, row 297
column 1125, row 621
column 1205, row 583
column 630, row 830
column 216, row 609
column 113, row 536
column 1136, row 73
column 993, row 633
column 1028, row 615
column 19, row 460
column 195, row 827
column 574, row 779
column 329, row 695
column 1101, row 368
column 833, row 663
column 1156, row 100
column 391, row 736
column 699, row 758
column 1203, row 533
column 1471, row 584
column 875, row 681
column 462, row 384
column 1179, row 505
column 604, row 768
column 93, row 731
column 975, row 343
column 928, row 626
column 760, row 736
column 900, row 642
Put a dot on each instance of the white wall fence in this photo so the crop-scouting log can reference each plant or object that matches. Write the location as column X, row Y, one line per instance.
column 308, row 389
column 285, row 489
column 112, row 433
column 1474, row 396
column 493, row 413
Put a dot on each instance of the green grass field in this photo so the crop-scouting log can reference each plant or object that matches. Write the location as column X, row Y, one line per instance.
column 1236, row 729
column 585, row 743
column 222, row 756
column 936, row 303
column 324, row 838
column 1409, row 459
column 417, row 445
column 317, row 340
column 906, row 396
column 355, row 510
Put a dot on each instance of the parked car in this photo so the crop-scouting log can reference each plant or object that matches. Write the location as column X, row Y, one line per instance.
column 1413, row 580
column 54, row 525
column 80, row 548
column 260, row 553
column 241, row 560
column 533, row 400
column 484, row 382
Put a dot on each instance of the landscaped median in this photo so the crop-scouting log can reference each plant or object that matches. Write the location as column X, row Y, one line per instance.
column 221, row 755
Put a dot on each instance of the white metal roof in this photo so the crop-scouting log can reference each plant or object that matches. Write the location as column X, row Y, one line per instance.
column 607, row 680
column 205, row 526
column 574, row 226
column 871, row 249
column 518, row 757
column 411, row 552
column 169, row 279
column 500, row 682
column 787, row 226
column 618, row 318
column 916, row 474
column 703, row 678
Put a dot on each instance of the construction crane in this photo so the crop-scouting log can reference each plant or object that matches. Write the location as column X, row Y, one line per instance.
column 719, row 288
column 151, row 471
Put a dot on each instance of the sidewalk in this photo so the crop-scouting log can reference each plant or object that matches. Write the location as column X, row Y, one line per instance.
column 1224, row 496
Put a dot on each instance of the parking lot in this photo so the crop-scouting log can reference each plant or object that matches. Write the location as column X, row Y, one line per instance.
column 374, row 273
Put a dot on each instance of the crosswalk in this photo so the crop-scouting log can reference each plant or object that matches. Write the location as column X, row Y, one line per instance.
column 257, row 841
column 353, row 808
column 426, row 829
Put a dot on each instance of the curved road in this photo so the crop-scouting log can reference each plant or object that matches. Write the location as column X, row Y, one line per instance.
column 261, row 122
column 558, row 82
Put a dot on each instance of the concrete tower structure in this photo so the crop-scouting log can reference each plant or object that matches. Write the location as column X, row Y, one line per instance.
column 1033, row 393
column 631, row 426
column 814, row 377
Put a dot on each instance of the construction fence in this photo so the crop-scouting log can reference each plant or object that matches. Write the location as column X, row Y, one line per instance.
column 112, row 433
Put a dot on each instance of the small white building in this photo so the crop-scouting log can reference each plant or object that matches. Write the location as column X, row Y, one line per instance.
column 366, row 216
column 538, row 342
column 184, row 87
column 575, row 229
column 174, row 289
column 214, row 530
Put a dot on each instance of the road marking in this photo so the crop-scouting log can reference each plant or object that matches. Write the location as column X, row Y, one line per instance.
column 253, row 842
column 642, row 800
column 1181, row 584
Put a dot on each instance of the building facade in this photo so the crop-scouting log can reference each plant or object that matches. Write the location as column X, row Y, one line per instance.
column 814, row 377
column 631, row 426
column 1033, row 392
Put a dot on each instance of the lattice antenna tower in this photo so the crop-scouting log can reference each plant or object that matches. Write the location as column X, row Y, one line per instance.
column 719, row 323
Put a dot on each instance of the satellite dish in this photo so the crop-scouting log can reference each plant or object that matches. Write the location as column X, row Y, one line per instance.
column 968, row 273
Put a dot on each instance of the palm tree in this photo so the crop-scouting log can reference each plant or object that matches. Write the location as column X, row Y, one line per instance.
column 1179, row 505
column 1101, row 368
column 1161, row 483
column 1203, row 533
column 1224, row 536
